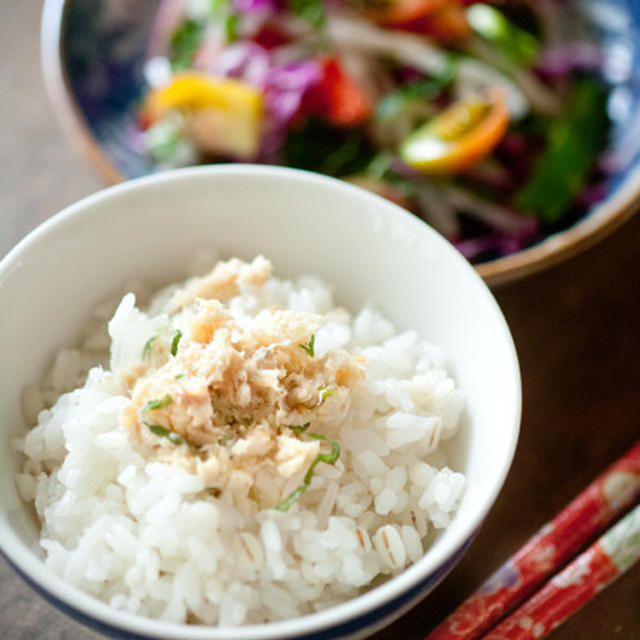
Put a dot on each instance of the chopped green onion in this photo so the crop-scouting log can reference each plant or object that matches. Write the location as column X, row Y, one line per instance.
column 327, row 458
column 165, row 433
column 308, row 347
column 180, row 376
column 154, row 405
column 175, row 341
column 148, row 346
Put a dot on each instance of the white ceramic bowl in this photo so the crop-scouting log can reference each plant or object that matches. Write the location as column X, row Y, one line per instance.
column 306, row 224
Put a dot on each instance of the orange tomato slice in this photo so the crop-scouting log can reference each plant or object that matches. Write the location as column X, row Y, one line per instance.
column 444, row 20
column 447, row 24
column 398, row 11
column 460, row 136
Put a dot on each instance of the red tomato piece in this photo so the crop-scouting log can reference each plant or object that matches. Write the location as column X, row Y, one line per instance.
column 337, row 97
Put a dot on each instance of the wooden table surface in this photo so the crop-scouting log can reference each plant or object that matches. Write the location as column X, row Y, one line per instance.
column 576, row 328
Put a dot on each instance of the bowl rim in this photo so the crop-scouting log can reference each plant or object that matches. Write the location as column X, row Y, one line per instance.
column 350, row 611
column 602, row 221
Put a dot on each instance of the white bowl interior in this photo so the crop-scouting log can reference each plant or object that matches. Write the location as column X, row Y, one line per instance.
column 369, row 249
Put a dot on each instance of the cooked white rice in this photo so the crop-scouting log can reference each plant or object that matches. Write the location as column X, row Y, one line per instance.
column 145, row 536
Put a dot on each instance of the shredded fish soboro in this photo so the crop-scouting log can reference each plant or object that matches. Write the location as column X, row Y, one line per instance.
column 234, row 394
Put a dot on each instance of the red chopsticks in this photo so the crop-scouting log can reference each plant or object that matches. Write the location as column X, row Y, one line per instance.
column 567, row 591
column 585, row 517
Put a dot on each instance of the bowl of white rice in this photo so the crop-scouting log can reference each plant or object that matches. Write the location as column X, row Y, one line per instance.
column 246, row 402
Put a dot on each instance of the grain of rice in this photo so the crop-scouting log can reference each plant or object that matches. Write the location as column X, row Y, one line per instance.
column 389, row 545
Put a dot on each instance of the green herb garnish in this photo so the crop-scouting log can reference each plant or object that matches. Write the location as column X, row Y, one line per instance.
column 175, row 341
column 325, row 392
column 154, row 405
column 285, row 505
column 308, row 347
column 573, row 142
column 298, row 429
column 180, row 376
column 148, row 346
column 327, row 458
column 165, row 433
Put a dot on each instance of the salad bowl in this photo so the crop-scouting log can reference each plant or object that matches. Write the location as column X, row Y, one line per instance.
column 96, row 63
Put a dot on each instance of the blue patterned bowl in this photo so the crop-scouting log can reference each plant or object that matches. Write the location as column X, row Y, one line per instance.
column 93, row 53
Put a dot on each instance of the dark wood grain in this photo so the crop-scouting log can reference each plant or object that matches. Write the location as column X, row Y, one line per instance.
column 576, row 327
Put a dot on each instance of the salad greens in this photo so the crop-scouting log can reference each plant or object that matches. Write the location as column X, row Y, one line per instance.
column 317, row 146
column 518, row 45
column 184, row 43
column 460, row 112
column 573, row 140
column 313, row 11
